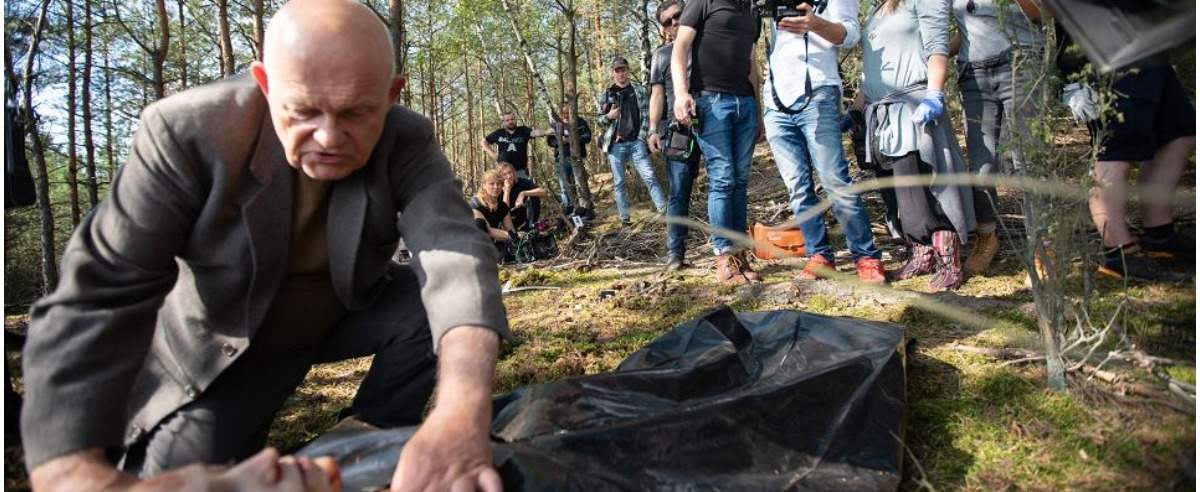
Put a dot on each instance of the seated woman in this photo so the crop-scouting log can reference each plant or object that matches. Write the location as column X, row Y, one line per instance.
column 522, row 196
column 491, row 213
column 905, row 43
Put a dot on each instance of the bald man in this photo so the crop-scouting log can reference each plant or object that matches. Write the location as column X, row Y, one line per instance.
column 249, row 237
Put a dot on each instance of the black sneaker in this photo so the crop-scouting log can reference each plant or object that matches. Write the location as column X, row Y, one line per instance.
column 1138, row 267
column 675, row 263
column 1175, row 247
column 586, row 213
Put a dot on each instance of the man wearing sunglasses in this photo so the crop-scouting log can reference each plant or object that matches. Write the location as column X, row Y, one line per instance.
column 802, row 107
column 681, row 173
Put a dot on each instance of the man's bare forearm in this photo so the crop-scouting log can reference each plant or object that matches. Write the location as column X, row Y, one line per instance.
column 466, row 371
column 82, row 470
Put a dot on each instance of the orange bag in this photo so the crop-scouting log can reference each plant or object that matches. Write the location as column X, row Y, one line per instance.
column 786, row 237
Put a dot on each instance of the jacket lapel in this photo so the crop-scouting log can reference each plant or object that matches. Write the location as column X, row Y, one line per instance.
column 268, row 217
column 347, row 213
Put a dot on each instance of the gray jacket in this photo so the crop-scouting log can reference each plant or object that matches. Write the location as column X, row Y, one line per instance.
column 166, row 282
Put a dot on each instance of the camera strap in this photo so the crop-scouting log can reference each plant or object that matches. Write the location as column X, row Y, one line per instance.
column 808, row 89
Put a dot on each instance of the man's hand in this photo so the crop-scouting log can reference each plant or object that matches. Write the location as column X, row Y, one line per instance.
column 802, row 24
column 451, row 450
column 520, row 200
column 613, row 113
column 653, row 142
column 685, row 109
column 445, row 454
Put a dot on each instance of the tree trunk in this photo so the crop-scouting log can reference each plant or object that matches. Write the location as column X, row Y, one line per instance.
column 72, row 152
column 227, row 60
column 183, row 59
column 49, row 258
column 89, row 144
column 572, row 83
column 647, row 50
column 108, row 121
column 530, row 66
column 472, row 150
column 399, row 42
column 258, row 29
column 159, row 57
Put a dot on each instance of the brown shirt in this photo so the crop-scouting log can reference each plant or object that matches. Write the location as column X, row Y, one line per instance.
column 305, row 307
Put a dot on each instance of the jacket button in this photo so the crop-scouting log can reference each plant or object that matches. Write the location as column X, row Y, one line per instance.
column 190, row 391
column 229, row 350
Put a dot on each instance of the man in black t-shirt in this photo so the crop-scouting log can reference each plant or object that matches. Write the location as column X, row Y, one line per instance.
column 512, row 144
column 719, row 37
column 681, row 174
column 522, row 196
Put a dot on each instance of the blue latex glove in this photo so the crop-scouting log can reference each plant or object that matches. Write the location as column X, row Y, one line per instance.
column 931, row 107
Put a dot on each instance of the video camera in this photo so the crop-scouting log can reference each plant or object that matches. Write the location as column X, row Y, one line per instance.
column 778, row 9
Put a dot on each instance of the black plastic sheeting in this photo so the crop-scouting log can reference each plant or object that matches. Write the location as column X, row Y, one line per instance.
column 780, row 400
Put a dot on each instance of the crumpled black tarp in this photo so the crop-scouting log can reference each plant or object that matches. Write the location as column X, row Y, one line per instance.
column 780, row 400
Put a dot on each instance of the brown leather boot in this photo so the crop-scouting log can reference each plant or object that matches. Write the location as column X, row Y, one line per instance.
column 984, row 250
column 728, row 271
column 744, row 267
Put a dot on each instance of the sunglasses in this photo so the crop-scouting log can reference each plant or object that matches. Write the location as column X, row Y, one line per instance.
column 669, row 21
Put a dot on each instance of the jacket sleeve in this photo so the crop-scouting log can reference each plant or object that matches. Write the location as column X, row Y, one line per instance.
column 454, row 261
column 89, row 338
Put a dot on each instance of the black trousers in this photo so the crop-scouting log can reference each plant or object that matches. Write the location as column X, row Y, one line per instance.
column 920, row 213
column 230, row 420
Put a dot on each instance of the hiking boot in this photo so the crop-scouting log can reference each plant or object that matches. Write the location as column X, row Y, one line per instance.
column 818, row 266
column 1135, row 266
column 948, row 274
column 920, row 262
column 744, row 267
column 982, row 252
column 1175, row 247
column 727, row 270
column 675, row 263
column 870, row 270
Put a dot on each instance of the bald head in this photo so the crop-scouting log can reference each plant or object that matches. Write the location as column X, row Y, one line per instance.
column 329, row 79
column 328, row 32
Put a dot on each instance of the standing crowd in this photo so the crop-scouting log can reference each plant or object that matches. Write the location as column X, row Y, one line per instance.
column 707, row 102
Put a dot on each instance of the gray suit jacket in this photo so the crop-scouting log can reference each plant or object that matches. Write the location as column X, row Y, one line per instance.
column 165, row 283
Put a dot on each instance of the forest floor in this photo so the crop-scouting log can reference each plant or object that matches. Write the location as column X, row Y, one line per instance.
column 974, row 422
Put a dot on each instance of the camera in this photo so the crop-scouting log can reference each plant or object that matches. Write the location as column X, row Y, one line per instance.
column 778, row 9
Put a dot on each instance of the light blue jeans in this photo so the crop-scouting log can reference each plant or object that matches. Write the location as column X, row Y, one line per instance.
column 728, row 126
column 634, row 151
column 811, row 140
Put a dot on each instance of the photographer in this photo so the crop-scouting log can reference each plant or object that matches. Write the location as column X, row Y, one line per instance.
column 802, row 98
column 718, row 37
column 624, row 113
column 681, row 169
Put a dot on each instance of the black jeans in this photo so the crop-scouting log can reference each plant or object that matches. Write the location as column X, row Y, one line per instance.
column 230, row 420
column 920, row 213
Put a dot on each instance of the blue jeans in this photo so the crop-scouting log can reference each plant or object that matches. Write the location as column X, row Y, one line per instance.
column 569, row 177
column 681, row 175
column 728, row 126
column 811, row 140
column 637, row 152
